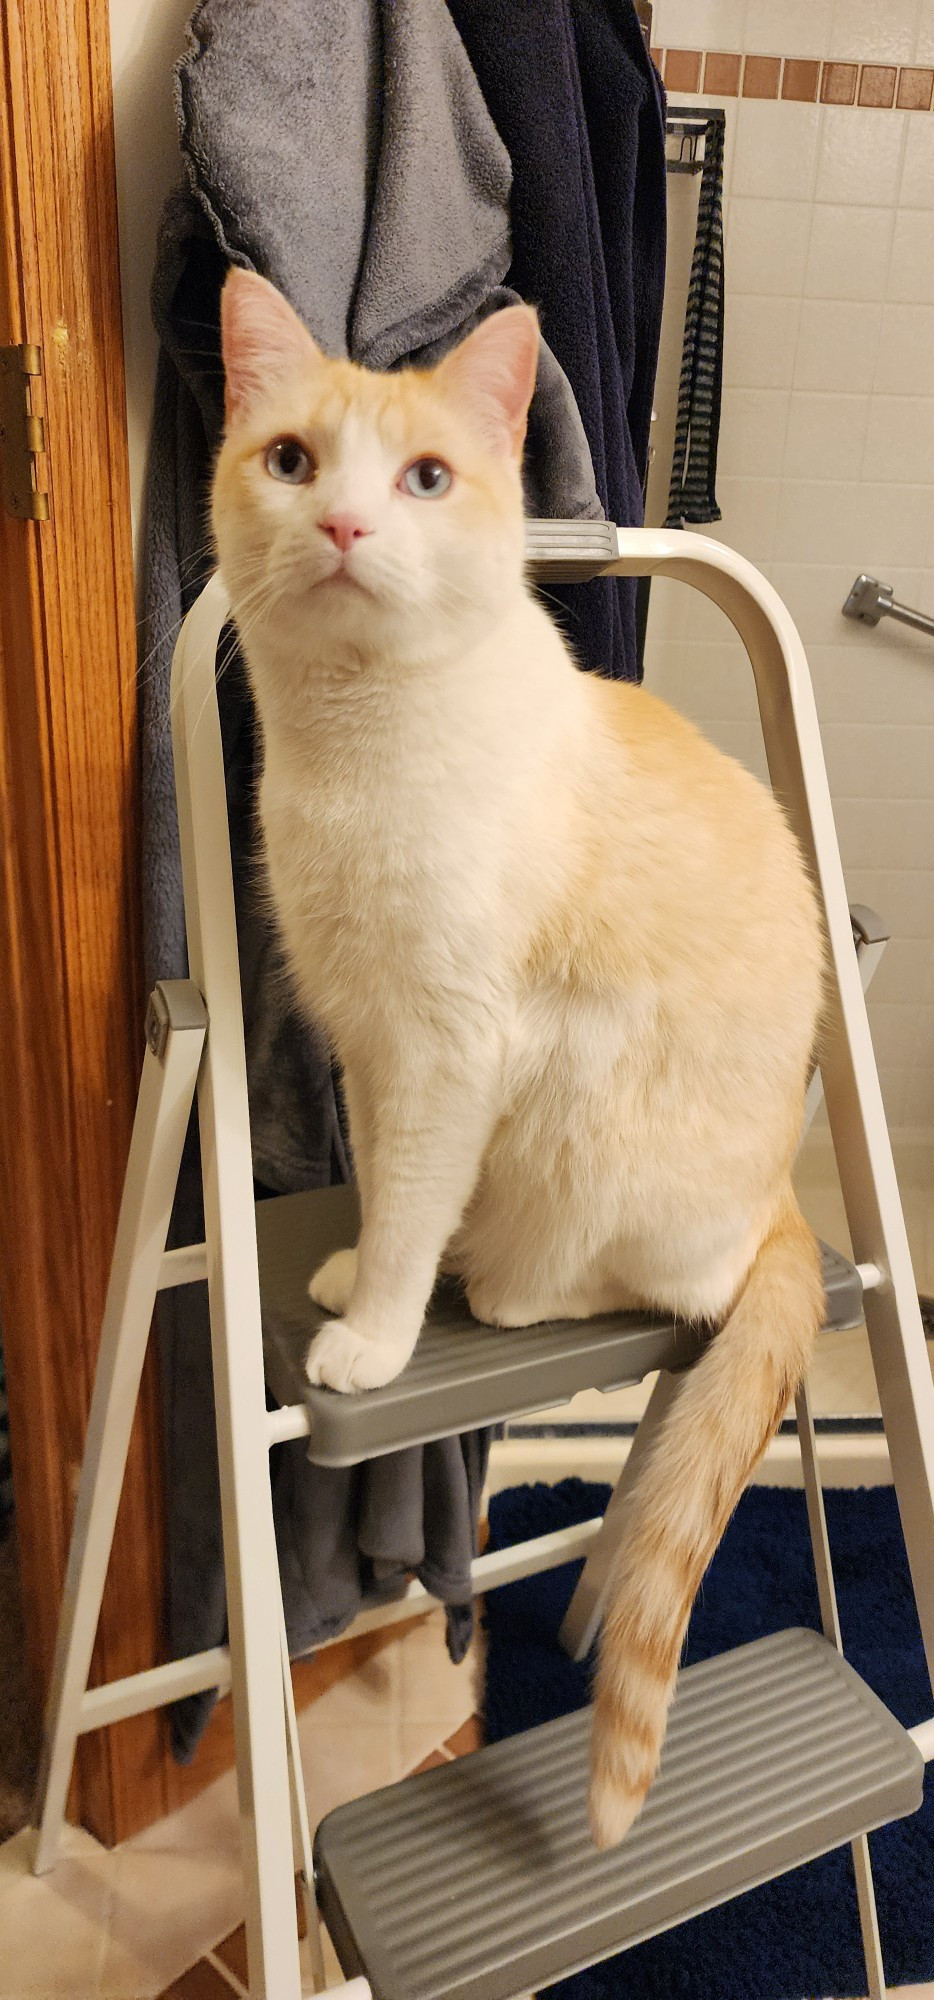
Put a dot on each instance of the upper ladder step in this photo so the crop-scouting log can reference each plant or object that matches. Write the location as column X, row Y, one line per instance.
column 569, row 551
column 479, row 1880
column 462, row 1374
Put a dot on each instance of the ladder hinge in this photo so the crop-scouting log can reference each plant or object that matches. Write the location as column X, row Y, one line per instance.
column 158, row 1024
column 22, row 435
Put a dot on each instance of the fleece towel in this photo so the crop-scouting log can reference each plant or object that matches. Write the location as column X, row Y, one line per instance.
column 580, row 108
column 343, row 148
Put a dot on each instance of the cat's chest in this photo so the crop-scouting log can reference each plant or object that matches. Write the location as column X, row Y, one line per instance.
column 376, row 854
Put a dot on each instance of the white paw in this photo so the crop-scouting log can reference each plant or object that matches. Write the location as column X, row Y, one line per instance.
column 341, row 1358
column 334, row 1281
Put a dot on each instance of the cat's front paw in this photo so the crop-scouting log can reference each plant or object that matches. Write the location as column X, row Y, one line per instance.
column 334, row 1281
column 341, row 1358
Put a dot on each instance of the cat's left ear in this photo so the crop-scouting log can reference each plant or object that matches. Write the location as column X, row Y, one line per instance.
column 262, row 341
column 492, row 372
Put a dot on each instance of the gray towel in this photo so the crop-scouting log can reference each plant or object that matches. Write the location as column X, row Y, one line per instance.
column 343, row 148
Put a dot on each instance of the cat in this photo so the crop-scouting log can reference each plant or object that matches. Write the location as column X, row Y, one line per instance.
column 566, row 952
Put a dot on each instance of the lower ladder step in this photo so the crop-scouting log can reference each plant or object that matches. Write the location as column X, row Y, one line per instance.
column 479, row 1880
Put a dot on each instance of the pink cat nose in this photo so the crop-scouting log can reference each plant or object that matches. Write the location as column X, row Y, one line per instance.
column 344, row 530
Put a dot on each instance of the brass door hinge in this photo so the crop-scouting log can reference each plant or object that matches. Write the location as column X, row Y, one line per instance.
column 21, row 434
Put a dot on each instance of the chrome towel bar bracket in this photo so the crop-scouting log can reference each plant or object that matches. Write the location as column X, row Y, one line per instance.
column 869, row 600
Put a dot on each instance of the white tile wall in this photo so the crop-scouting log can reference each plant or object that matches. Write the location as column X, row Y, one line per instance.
column 906, row 348
column 837, row 346
column 861, row 28
column 918, row 165
column 859, row 157
column 827, row 457
column 825, row 429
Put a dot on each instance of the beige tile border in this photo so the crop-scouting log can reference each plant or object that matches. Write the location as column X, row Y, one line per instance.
column 726, row 73
column 223, row 1971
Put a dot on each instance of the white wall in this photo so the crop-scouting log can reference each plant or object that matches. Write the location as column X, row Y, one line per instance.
column 827, row 457
column 146, row 39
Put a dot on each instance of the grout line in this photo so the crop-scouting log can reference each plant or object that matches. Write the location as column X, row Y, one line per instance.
column 227, row 1973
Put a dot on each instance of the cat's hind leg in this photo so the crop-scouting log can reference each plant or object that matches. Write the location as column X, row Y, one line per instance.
column 495, row 1305
column 334, row 1281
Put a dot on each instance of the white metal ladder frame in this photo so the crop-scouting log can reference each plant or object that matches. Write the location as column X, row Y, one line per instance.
column 182, row 1056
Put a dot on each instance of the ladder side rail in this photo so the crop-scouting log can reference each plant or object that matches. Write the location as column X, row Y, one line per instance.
column 250, row 1557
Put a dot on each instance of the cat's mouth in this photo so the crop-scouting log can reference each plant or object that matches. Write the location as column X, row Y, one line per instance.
column 341, row 578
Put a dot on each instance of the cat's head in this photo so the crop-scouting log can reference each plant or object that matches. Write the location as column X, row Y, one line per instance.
column 383, row 512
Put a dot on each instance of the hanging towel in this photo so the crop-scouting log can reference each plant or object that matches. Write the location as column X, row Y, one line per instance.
column 343, row 149
column 580, row 108
column 692, row 496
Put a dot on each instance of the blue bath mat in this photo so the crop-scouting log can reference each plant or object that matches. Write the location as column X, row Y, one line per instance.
column 798, row 1937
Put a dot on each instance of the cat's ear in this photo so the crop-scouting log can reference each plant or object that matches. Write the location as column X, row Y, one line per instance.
column 262, row 340
column 492, row 373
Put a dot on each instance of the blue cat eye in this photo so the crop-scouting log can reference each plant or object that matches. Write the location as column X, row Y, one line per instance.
column 287, row 459
column 426, row 478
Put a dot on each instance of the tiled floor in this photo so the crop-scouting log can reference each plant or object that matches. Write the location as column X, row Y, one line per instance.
column 131, row 1924
column 161, row 1914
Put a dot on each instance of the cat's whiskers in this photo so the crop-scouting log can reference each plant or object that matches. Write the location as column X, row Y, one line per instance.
column 140, row 673
column 259, row 599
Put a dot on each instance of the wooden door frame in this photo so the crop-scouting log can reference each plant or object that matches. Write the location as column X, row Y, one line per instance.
column 70, row 952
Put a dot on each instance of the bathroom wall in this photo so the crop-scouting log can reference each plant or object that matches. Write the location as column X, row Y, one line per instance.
column 827, row 440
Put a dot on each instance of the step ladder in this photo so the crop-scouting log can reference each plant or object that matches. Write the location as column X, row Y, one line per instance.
column 806, row 1757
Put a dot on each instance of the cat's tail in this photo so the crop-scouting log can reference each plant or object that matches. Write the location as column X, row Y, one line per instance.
column 715, row 1431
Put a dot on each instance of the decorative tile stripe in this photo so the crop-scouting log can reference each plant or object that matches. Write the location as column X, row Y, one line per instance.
column 724, row 73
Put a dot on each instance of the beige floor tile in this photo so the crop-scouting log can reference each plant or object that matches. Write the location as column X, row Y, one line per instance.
column 436, row 1697
column 843, row 1383
column 911, row 1992
column 166, row 1907
column 122, row 1925
column 351, row 1739
column 53, row 1928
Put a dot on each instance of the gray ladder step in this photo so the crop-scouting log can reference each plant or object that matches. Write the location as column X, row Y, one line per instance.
column 569, row 551
column 479, row 1880
column 462, row 1374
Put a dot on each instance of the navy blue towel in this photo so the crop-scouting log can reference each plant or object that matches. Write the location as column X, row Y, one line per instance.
column 580, row 109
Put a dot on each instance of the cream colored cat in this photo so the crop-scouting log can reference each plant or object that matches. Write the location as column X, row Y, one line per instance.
column 566, row 952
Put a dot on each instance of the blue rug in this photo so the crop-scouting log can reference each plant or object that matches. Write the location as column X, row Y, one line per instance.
column 796, row 1938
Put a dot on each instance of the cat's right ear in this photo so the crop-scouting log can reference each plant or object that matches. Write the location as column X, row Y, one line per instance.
column 262, row 341
column 492, row 373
